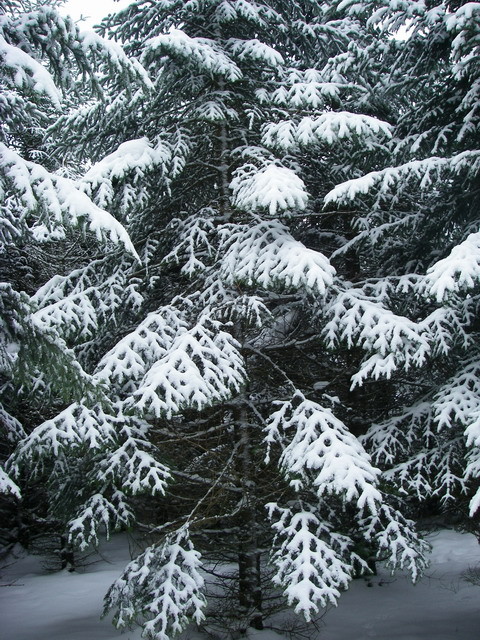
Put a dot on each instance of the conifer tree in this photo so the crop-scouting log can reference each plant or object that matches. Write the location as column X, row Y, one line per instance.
column 418, row 216
column 207, row 379
column 42, row 56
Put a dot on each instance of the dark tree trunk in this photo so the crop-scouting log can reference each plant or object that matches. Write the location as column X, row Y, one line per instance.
column 249, row 555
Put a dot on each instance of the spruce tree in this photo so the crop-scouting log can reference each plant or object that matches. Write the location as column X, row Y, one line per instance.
column 418, row 216
column 204, row 347
column 47, row 65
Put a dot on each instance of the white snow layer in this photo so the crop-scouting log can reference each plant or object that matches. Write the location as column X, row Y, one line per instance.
column 323, row 445
column 460, row 269
column 65, row 203
column 328, row 128
column 267, row 254
column 201, row 52
column 7, row 485
column 134, row 154
column 255, row 50
column 272, row 187
column 134, row 158
column 27, row 72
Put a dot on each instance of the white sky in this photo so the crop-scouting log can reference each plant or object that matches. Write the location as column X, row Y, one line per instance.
column 93, row 10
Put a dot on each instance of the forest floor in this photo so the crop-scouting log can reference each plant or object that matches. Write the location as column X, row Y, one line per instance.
column 443, row 605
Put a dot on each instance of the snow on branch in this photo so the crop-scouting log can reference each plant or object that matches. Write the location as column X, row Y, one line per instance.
column 309, row 88
column 27, row 73
column 358, row 319
column 457, row 405
column 462, row 17
column 13, row 430
column 266, row 254
column 113, row 55
column 76, row 426
column 272, row 187
column 463, row 22
column 75, row 315
column 132, row 465
column 97, row 513
column 424, row 172
column 74, row 283
column 163, row 585
column 58, row 198
column 129, row 360
column 43, row 363
column 329, row 128
column 205, row 54
column 258, row 14
column 215, row 111
column 123, row 461
column 472, row 472
column 308, row 568
column 33, row 40
column 193, row 247
column 445, row 327
column 255, row 50
column 202, row 366
column 458, row 401
column 134, row 157
column 319, row 451
column 36, row 357
column 459, row 270
column 74, row 306
column 399, row 545
column 396, row 436
column 7, row 485
column 251, row 310
column 435, row 471
column 302, row 94
column 391, row 16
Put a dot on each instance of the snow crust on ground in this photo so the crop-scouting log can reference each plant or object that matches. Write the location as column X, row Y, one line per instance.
column 37, row 605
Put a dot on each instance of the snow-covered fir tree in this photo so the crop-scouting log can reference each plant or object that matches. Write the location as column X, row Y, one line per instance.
column 46, row 65
column 203, row 406
column 416, row 234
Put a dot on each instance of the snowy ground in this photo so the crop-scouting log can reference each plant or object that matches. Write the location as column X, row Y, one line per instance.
column 35, row 605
